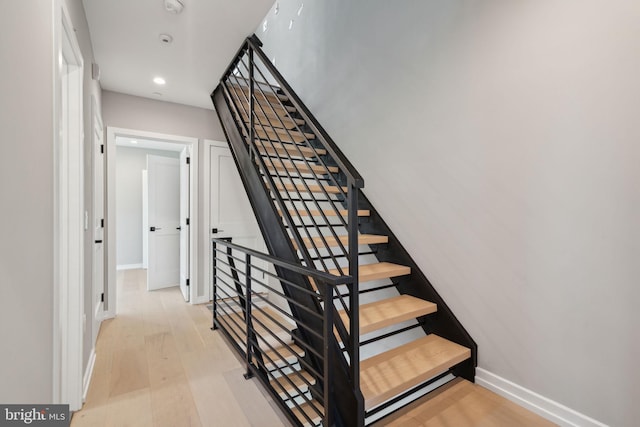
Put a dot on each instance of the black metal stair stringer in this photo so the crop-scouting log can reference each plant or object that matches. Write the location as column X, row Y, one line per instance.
column 443, row 322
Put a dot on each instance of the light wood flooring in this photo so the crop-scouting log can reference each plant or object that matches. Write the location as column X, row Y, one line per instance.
column 159, row 364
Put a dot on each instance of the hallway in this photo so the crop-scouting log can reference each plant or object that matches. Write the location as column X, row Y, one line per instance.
column 159, row 364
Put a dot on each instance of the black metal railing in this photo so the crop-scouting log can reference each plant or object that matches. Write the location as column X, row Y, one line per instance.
column 252, row 309
column 312, row 193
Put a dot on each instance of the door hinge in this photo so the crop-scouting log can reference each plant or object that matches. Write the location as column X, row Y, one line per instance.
column 102, row 223
column 102, row 297
column 187, row 221
column 188, row 160
column 187, row 282
column 101, row 148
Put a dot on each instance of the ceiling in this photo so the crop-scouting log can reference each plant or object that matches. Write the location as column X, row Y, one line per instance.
column 126, row 41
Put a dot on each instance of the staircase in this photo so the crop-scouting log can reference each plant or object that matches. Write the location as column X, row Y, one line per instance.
column 358, row 330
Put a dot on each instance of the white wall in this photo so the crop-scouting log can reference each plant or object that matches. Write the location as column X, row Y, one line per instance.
column 132, row 112
column 130, row 162
column 499, row 140
column 26, row 192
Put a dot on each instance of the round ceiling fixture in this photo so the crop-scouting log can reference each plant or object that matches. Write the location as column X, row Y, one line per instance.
column 159, row 81
column 166, row 38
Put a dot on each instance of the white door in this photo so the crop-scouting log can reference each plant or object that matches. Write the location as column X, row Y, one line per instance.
column 185, row 172
column 230, row 213
column 98, row 225
column 163, row 175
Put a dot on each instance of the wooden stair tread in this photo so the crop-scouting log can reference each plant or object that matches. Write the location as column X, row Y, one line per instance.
column 264, row 93
column 387, row 312
column 308, row 409
column 379, row 270
column 264, row 106
column 390, row 373
column 312, row 188
column 289, row 353
column 236, row 321
column 283, row 135
column 363, row 239
column 327, row 212
column 290, row 149
column 299, row 167
column 276, row 121
column 293, row 381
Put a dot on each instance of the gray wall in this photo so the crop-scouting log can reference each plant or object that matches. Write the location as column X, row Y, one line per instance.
column 132, row 112
column 499, row 140
column 26, row 191
column 130, row 162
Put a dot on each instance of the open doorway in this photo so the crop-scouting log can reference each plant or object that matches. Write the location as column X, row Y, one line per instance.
column 151, row 209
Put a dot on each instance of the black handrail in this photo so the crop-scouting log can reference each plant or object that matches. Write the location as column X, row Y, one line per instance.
column 334, row 151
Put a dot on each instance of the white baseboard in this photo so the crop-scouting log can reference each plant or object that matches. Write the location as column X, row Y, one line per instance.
column 129, row 266
column 547, row 408
column 87, row 374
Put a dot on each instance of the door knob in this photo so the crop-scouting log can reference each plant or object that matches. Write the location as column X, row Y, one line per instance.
column 154, row 228
column 178, row 228
column 215, row 230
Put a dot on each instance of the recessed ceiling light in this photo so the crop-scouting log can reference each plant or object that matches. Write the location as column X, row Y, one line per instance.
column 159, row 81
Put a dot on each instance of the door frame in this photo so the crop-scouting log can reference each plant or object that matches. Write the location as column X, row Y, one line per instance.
column 69, row 225
column 206, row 221
column 97, row 305
column 110, row 220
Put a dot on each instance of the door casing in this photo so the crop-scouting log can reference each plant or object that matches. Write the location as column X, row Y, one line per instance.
column 110, row 220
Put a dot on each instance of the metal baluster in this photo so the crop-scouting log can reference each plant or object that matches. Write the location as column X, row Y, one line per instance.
column 329, row 355
column 215, row 275
column 247, row 310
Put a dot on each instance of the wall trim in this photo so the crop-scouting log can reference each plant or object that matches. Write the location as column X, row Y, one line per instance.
column 129, row 266
column 88, row 374
column 545, row 407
